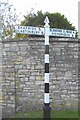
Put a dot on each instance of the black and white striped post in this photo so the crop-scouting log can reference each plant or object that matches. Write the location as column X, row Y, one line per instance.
column 46, row 108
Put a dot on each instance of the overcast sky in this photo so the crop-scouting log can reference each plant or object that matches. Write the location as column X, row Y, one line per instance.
column 67, row 7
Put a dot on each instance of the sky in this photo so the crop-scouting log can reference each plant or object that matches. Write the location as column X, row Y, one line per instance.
column 67, row 7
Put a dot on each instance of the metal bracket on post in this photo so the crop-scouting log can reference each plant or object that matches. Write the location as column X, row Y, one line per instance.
column 46, row 108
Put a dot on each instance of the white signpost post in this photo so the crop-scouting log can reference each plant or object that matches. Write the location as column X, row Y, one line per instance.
column 46, row 31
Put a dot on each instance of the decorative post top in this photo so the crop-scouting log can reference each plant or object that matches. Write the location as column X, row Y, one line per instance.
column 46, row 21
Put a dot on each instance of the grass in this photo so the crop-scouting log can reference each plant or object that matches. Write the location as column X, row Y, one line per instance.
column 54, row 114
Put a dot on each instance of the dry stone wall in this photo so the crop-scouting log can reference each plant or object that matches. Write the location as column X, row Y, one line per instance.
column 23, row 74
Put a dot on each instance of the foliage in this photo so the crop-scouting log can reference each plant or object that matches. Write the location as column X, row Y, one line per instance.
column 7, row 19
column 56, row 21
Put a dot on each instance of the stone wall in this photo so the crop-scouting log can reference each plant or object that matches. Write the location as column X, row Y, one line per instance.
column 23, row 74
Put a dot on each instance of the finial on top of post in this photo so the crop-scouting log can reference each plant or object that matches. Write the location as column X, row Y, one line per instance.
column 46, row 21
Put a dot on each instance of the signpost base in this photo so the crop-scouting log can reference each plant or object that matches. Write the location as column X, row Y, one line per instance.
column 46, row 112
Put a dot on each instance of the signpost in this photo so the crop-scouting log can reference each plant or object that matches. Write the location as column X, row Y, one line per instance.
column 29, row 30
column 41, row 31
column 62, row 33
column 46, row 108
column 46, row 31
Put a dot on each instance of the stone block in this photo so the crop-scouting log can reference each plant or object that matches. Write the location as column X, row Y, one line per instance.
column 39, row 82
column 31, row 78
column 39, row 77
column 18, row 66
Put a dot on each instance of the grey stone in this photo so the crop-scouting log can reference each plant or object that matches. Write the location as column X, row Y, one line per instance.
column 18, row 66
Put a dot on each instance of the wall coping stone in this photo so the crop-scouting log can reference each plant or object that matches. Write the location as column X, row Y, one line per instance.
column 40, row 39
